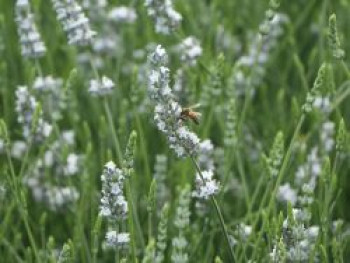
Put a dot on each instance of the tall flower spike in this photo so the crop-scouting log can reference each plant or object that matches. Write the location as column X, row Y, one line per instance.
column 167, row 113
column 311, row 97
column 162, row 235
column 165, row 17
column 31, row 44
column 160, row 173
column 26, row 106
column 333, row 39
column 190, row 50
column 74, row 22
column 113, row 203
column 182, row 220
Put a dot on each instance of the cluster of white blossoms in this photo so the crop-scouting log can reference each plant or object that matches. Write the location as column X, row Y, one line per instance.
column 297, row 241
column 48, row 90
column 160, row 174
column 190, row 50
column 258, row 56
column 61, row 163
column 122, row 14
column 179, row 243
column 243, row 232
column 57, row 197
column 18, row 149
column 287, row 194
column 47, row 83
column 167, row 113
column 322, row 103
column 165, row 17
column 305, row 182
column 25, row 107
column 206, row 155
column 113, row 204
column 101, row 87
column 94, row 4
column 74, row 22
column 327, row 136
column 121, row 240
column 206, row 185
column 31, row 44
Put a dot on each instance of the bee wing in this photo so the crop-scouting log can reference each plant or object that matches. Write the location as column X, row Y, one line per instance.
column 195, row 106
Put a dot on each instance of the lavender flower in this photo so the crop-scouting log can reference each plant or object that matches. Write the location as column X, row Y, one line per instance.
column 182, row 220
column 114, row 239
column 206, row 186
column 56, row 197
column 298, row 240
column 206, row 155
column 18, row 149
column 167, row 113
column 101, row 87
column 287, row 194
column 258, row 55
column 74, row 22
column 326, row 136
column 190, row 50
column 25, row 107
column 113, row 203
column 322, row 103
column 160, row 172
column 47, row 83
column 94, row 4
column 122, row 14
column 31, row 44
column 244, row 231
column 51, row 95
column 60, row 162
column 72, row 166
column 165, row 17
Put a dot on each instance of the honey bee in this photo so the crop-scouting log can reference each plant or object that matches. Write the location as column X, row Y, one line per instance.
column 189, row 114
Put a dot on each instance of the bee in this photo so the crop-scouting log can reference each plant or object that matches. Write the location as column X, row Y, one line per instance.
column 189, row 114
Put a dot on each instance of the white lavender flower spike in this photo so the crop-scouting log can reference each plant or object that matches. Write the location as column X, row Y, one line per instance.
column 206, row 186
column 25, row 108
column 113, row 203
column 167, row 112
column 122, row 14
column 74, row 22
column 101, row 87
column 190, row 50
column 165, row 17
column 31, row 44
column 114, row 239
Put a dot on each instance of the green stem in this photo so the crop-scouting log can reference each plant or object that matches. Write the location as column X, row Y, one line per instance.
column 243, row 179
column 113, row 130
column 22, row 210
column 218, row 212
column 143, row 146
column 132, row 219
column 12, row 250
column 346, row 69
